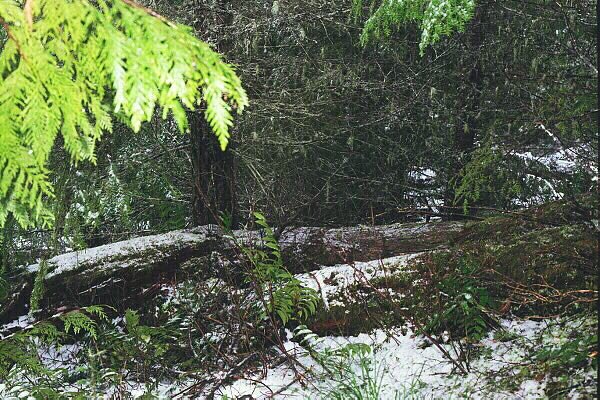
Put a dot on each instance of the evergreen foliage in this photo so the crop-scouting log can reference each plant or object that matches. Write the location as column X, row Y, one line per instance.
column 38, row 287
column 495, row 120
column 436, row 18
column 67, row 66
column 333, row 139
column 18, row 352
column 77, row 321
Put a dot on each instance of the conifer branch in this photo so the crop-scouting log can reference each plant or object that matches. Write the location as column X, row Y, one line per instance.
column 28, row 12
column 12, row 37
column 90, row 61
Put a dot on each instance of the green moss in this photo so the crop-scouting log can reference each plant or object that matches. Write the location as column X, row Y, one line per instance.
column 528, row 259
column 363, row 308
column 523, row 264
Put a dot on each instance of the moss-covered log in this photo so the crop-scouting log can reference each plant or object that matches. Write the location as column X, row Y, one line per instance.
column 124, row 272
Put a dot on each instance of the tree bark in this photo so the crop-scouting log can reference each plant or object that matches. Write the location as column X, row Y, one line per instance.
column 213, row 170
column 467, row 126
column 121, row 274
column 213, row 175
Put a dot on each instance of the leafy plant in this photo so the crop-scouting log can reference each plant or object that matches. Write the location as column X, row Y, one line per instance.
column 38, row 286
column 283, row 294
column 465, row 304
column 491, row 177
column 436, row 18
column 77, row 321
column 66, row 66
column 350, row 371
column 19, row 353
column 562, row 350
column 364, row 384
column 570, row 345
column 141, row 349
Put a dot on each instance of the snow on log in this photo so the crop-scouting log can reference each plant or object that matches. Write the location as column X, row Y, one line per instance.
column 124, row 272
column 306, row 249
column 330, row 281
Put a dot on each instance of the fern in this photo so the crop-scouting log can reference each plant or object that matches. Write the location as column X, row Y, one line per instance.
column 350, row 369
column 98, row 311
column 285, row 296
column 68, row 66
column 38, row 287
column 19, row 352
column 77, row 322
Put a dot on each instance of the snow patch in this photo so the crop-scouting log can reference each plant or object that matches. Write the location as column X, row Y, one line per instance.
column 401, row 365
column 331, row 280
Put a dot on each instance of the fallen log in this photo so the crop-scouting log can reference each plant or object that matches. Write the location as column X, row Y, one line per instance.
column 306, row 249
column 118, row 273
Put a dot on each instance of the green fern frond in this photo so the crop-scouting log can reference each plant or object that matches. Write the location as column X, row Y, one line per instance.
column 285, row 296
column 77, row 322
column 98, row 311
column 38, row 287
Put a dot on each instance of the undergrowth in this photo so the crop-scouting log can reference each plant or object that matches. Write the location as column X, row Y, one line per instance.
column 503, row 267
column 190, row 328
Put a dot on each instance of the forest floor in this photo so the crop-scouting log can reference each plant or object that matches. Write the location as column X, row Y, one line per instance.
column 504, row 310
column 520, row 359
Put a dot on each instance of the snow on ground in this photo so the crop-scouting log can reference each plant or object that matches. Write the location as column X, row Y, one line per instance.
column 402, row 367
column 23, row 322
column 58, row 356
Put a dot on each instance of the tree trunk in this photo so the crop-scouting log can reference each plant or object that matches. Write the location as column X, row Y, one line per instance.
column 467, row 126
column 213, row 170
column 213, row 175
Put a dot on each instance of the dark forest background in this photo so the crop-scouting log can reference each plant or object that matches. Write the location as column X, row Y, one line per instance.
column 500, row 117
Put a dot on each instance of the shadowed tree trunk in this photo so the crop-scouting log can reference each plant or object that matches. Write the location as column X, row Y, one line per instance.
column 467, row 125
column 213, row 170
column 213, row 175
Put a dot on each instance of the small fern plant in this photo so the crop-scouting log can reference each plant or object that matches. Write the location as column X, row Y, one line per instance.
column 78, row 321
column 350, row 371
column 18, row 351
column 68, row 67
column 283, row 294
column 37, row 293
